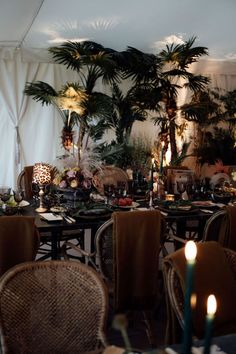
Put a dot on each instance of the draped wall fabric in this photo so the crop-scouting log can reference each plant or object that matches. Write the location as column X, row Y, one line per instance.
column 30, row 133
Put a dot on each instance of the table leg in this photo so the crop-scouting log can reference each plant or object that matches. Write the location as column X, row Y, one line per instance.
column 55, row 244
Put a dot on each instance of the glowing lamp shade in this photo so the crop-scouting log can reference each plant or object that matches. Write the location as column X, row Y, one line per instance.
column 211, row 305
column 41, row 176
column 41, row 173
column 190, row 251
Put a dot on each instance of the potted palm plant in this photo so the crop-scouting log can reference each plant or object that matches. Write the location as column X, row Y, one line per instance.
column 79, row 103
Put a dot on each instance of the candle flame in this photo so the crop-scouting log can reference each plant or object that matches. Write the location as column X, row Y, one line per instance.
column 190, row 251
column 211, row 305
column 193, row 300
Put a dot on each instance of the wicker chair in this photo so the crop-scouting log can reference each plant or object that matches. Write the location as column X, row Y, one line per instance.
column 102, row 261
column 175, row 298
column 102, row 258
column 52, row 307
column 109, row 175
column 19, row 241
column 212, row 227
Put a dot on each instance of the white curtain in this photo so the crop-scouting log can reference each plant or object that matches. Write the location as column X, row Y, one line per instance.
column 30, row 133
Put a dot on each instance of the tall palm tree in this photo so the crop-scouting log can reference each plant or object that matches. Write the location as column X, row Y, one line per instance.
column 165, row 75
column 92, row 62
column 126, row 112
column 206, row 109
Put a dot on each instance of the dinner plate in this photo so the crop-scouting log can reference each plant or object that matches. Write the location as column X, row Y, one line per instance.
column 23, row 204
column 133, row 205
column 203, row 203
column 57, row 209
column 178, row 211
column 93, row 213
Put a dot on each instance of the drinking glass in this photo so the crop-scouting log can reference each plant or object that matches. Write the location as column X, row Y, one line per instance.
column 181, row 188
column 18, row 197
column 5, row 194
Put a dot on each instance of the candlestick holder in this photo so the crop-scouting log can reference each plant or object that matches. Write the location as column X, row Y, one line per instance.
column 151, row 200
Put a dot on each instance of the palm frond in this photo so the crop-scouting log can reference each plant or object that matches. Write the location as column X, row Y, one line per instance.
column 182, row 55
column 85, row 54
column 197, row 83
column 140, row 66
column 40, row 92
column 99, row 106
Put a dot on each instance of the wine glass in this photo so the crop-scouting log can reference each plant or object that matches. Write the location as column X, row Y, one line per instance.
column 181, row 188
column 18, row 197
column 5, row 194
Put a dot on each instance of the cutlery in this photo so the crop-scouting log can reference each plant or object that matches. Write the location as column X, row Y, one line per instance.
column 207, row 211
column 68, row 218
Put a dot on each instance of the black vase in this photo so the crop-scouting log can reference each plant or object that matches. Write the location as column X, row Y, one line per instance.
column 75, row 194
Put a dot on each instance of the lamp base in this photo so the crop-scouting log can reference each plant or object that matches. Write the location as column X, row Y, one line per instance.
column 41, row 210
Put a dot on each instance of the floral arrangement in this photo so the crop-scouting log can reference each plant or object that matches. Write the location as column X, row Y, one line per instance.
column 77, row 174
column 72, row 177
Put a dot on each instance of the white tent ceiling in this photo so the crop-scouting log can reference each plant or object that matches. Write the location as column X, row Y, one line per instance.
column 117, row 24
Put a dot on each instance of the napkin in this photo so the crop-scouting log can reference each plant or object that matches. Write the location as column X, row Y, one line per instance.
column 51, row 217
column 213, row 350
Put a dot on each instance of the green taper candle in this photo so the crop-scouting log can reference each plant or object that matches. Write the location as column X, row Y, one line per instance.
column 190, row 254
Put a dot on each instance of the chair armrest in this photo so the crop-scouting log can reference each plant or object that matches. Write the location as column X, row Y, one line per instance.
column 87, row 255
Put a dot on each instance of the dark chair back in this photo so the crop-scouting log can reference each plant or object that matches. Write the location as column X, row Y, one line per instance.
column 19, row 241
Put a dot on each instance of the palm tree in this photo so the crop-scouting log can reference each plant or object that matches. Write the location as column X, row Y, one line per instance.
column 126, row 112
column 79, row 103
column 158, row 86
column 206, row 109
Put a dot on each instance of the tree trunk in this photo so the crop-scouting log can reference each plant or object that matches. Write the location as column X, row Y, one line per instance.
column 173, row 146
column 171, row 109
column 82, row 130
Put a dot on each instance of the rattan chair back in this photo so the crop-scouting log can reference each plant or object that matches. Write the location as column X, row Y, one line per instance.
column 52, row 307
column 175, row 298
column 110, row 175
column 104, row 251
column 212, row 227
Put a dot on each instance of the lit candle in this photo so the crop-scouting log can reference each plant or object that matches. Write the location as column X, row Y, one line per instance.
column 190, row 254
column 211, row 310
column 162, row 156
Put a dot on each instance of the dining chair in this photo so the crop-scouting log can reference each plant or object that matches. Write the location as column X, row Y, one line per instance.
column 212, row 227
column 127, row 250
column 221, row 227
column 215, row 273
column 52, row 307
column 24, row 181
column 19, row 241
column 110, row 175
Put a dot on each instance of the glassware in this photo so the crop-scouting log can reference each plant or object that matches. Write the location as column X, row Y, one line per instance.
column 5, row 194
column 181, row 188
column 18, row 197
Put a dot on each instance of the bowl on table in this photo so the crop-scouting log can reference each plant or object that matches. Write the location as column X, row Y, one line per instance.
column 9, row 210
column 222, row 197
